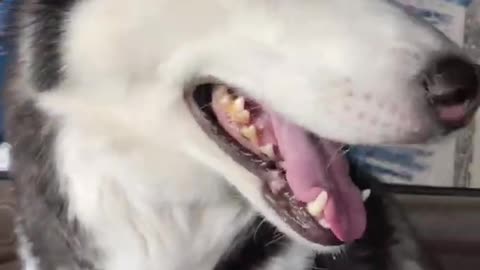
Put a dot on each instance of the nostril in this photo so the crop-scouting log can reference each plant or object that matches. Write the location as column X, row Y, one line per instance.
column 456, row 96
column 450, row 80
column 451, row 84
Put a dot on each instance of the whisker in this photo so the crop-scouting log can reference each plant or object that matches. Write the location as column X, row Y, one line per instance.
column 258, row 228
column 255, row 108
column 275, row 240
column 340, row 151
column 203, row 107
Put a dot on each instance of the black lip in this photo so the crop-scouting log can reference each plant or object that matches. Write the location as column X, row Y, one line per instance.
column 289, row 209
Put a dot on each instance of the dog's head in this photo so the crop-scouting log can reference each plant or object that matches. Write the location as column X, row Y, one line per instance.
column 265, row 94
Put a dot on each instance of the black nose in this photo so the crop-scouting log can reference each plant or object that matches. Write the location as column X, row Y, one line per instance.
column 452, row 87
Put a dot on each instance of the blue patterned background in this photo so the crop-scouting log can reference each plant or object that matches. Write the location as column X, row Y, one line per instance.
column 4, row 8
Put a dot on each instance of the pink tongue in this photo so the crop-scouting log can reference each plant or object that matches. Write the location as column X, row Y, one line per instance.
column 314, row 167
column 452, row 113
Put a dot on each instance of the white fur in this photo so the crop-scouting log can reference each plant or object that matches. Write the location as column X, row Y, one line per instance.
column 143, row 178
column 28, row 260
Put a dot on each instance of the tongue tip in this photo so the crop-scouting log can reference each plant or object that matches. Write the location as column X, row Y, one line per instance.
column 348, row 234
column 349, row 225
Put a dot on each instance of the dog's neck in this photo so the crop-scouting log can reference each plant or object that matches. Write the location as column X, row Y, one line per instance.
column 175, row 214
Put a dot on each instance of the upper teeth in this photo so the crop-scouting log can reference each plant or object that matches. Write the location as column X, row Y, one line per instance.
column 235, row 108
column 250, row 133
column 241, row 117
column 315, row 208
column 238, row 104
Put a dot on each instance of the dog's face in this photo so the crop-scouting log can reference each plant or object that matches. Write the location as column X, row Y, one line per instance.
column 266, row 93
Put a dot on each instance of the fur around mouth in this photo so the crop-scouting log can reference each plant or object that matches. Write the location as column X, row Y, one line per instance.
column 305, row 178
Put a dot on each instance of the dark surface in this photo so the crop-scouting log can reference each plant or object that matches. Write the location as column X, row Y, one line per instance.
column 8, row 258
column 46, row 17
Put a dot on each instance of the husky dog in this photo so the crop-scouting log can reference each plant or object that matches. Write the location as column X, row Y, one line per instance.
column 210, row 134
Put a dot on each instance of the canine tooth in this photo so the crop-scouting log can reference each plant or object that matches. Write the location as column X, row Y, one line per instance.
column 236, row 109
column 239, row 104
column 315, row 208
column 324, row 223
column 366, row 193
column 250, row 133
column 268, row 150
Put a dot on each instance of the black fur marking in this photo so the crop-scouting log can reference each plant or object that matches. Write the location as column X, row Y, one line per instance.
column 372, row 252
column 379, row 249
column 263, row 242
column 48, row 28
column 57, row 241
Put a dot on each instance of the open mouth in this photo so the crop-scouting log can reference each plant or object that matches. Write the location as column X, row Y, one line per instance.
column 305, row 178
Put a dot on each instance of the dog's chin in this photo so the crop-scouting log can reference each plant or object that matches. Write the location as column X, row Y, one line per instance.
column 320, row 203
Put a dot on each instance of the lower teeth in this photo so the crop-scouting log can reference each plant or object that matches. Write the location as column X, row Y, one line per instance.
column 324, row 223
column 366, row 194
column 268, row 150
column 316, row 207
column 277, row 186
